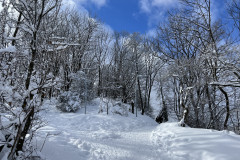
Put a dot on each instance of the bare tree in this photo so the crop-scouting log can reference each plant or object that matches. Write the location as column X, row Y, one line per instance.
column 29, row 22
column 191, row 42
column 233, row 8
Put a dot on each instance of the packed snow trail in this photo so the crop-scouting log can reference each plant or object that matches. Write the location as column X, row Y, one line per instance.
column 76, row 136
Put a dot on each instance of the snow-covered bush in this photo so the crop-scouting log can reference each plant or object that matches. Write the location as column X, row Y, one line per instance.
column 68, row 102
column 120, row 108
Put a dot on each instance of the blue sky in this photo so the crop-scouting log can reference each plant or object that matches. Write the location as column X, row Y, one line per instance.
column 123, row 15
column 134, row 15
column 127, row 15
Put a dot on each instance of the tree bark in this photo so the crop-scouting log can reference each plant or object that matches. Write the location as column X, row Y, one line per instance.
column 17, row 28
column 211, row 123
column 227, row 107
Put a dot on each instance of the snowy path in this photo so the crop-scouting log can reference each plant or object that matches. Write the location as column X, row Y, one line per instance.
column 98, row 137
column 113, row 137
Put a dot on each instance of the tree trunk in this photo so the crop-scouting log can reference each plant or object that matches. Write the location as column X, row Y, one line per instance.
column 28, row 124
column 21, row 134
column 17, row 28
column 211, row 123
column 132, row 104
column 227, row 107
column 24, row 127
column 140, row 97
column 99, row 91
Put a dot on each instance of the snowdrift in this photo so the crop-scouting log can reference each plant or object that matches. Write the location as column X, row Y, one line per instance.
column 184, row 143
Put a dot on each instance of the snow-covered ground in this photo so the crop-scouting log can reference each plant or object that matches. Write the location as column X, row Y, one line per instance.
column 196, row 144
column 76, row 136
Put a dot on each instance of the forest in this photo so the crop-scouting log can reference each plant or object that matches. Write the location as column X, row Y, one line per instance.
column 50, row 51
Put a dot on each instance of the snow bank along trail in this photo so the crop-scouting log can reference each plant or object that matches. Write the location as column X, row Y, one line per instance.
column 183, row 143
column 76, row 136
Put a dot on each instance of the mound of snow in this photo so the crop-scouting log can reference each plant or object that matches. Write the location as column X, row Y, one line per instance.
column 8, row 49
column 183, row 143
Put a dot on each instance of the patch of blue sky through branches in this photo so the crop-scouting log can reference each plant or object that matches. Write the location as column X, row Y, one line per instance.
column 140, row 15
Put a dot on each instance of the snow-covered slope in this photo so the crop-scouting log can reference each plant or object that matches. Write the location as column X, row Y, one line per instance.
column 76, row 136
column 196, row 144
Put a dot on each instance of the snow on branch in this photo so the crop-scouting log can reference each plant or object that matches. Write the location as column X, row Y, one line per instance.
column 226, row 84
column 10, row 49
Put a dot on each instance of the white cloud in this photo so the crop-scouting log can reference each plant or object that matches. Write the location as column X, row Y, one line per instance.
column 161, row 3
column 69, row 3
column 145, row 6
column 99, row 3
column 73, row 3
column 151, row 33
column 108, row 29
column 148, row 6
column 156, row 9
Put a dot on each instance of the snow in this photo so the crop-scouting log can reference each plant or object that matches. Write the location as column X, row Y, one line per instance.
column 97, row 136
column 94, row 136
column 8, row 49
column 183, row 143
column 5, row 156
column 233, row 84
